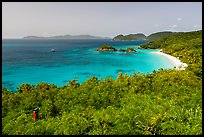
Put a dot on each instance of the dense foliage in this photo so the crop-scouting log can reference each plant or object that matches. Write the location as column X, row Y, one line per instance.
column 106, row 47
column 164, row 102
column 187, row 46
column 130, row 50
column 159, row 35
column 140, row 36
column 127, row 50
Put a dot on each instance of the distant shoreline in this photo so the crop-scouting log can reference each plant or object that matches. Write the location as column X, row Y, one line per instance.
column 175, row 61
column 49, row 39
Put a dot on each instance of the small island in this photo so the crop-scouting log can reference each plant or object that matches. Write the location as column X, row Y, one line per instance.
column 127, row 50
column 110, row 48
column 106, row 48
column 130, row 50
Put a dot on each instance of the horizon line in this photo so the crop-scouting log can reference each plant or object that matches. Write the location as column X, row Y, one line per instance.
column 95, row 35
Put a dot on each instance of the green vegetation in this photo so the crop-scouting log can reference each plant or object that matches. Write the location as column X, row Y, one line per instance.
column 140, row 36
column 105, row 47
column 164, row 102
column 187, row 46
column 127, row 50
column 130, row 37
column 122, row 50
column 109, row 48
column 159, row 35
column 130, row 50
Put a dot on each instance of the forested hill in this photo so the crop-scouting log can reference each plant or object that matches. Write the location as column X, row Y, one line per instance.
column 141, row 36
column 138, row 36
column 164, row 102
column 159, row 35
column 186, row 45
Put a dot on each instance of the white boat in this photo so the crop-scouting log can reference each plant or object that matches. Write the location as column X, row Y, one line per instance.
column 52, row 50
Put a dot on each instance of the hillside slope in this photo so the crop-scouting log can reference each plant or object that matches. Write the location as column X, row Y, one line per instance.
column 164, row 102
column 187, row 46
column 138, row 36
column 141, row 36
column 159, row 35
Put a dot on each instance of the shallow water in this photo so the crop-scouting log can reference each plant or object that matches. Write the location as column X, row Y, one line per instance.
column 31, row 61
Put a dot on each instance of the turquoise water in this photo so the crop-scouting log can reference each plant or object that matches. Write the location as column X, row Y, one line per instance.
column 31, row 61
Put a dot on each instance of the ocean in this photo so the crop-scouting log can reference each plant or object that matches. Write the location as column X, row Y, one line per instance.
column 30, row 61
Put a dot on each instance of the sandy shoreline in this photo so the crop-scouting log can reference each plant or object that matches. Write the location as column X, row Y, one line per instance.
column 175, row 61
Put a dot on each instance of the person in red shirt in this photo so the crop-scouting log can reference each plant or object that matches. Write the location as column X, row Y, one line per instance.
column 35, row 115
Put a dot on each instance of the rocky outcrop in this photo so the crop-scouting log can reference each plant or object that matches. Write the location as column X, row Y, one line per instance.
column 127, row 50
column 109, row 48
column 106, row 48
column 130, row 50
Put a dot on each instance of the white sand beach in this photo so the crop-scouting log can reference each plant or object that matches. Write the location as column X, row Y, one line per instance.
column 175, row 61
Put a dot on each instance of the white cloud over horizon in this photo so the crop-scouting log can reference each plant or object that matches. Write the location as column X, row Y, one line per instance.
column 179, row 19
column 197, row 26
column 106, row 19
column 174, row 26
column 158, row 24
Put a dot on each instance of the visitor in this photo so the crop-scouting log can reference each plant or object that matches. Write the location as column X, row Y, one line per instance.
column 35, row 115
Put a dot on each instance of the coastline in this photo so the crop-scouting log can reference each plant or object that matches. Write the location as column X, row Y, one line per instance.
column 175, row 61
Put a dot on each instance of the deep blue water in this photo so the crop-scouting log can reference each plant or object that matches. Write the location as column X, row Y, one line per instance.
column 31, row 61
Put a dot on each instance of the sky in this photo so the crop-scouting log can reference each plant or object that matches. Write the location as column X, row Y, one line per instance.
column 106, row 19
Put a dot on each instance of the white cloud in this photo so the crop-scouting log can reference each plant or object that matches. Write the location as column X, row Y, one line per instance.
column 179, row 19
column 174, row 26
column 157, row 25
column 196, row 26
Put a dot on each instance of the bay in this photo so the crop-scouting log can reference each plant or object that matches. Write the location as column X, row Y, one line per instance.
column 30, row 61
